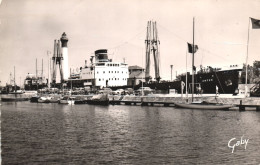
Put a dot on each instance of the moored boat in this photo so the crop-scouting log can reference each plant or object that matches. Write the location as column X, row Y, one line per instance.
column 54, row 99
column 71, row 101
column 192, row 48
column 44, row 100
column 67, row 100
column 14, row 97
column 101, row 99
column 204, row 106
column 80, row 100
column 34, row 99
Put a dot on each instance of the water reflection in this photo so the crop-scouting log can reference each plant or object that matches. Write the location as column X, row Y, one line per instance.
column 88, row 134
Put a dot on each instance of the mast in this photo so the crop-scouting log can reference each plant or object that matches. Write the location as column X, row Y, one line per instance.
column 48, row 69
column 171, row 71
column 70, row 86
column 193, row 62
column 247, row 57
column 14, row 82
column 36, row 68
column 42, row 67
column 10, row 78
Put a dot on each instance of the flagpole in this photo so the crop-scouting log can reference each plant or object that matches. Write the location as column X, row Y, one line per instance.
column 186, row 78
column 193, row 63
column 247, row 56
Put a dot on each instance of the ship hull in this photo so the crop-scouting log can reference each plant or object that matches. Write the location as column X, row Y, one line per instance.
column 226, row 82
column 204, row 106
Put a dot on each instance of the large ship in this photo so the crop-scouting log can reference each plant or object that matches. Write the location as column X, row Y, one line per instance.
column 211, row 80
column 226, row 80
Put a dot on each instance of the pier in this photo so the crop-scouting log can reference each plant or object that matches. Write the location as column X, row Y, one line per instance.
column 241, row 103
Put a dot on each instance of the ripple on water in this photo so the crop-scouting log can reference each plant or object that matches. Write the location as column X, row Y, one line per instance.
column 87, row 134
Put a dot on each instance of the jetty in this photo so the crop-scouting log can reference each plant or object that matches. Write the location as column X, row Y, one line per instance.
column 169, row 101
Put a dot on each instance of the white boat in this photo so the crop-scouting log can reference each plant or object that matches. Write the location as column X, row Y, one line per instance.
column 17, row 92
column 54, row 99
column 44, row 100
column 71, row 101
column 67, row 100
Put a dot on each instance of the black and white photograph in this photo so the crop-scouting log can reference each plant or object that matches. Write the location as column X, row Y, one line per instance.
column 129, row 82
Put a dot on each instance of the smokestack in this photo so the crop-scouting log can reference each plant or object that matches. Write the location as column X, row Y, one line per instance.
column 85, row 63
column 64, row 51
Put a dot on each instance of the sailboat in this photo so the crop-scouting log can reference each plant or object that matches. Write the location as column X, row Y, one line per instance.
column 68, row 99
column 200, row 104
column 16, row 95
column 204, row 105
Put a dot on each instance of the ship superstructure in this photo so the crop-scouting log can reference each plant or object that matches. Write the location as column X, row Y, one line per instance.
column 35, row 81
column 101, row 72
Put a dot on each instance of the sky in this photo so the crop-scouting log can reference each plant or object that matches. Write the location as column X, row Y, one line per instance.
column 28, row 29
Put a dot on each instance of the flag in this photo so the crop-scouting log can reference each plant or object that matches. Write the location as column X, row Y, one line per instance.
column 255, row 23
column 190, row 48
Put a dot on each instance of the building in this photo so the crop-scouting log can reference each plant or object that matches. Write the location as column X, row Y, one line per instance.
column 136, row 75
column 101, row 72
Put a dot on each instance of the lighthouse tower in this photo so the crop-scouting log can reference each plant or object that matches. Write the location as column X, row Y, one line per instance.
column 64, row 50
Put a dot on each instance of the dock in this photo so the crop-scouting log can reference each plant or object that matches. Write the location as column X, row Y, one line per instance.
column 241, row 103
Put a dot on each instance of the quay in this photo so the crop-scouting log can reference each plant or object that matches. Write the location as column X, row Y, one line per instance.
column 241, row 103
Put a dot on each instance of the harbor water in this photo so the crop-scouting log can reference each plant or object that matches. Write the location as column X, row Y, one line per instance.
column 35, row 133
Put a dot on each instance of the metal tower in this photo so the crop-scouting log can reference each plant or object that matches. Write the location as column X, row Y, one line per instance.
column 152, row 45
column 57, row 60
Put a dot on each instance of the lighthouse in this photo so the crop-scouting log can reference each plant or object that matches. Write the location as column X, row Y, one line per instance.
column 64, row 50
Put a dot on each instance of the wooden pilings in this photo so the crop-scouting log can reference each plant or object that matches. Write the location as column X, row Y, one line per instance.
column 241, row 107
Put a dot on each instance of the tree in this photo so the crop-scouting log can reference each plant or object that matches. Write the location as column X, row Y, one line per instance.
column 256, row 68
column 253, row 73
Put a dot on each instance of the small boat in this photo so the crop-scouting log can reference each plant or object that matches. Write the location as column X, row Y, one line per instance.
column 192, row 48
column 54, row 100
column 204, row 105
column 14, row 97
column 80, row 100
column 44, row 100
column 17, row 92
column 71, row 100
column 34, row 99
column 64, row 100
column 100, row 99
column 67, row 100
